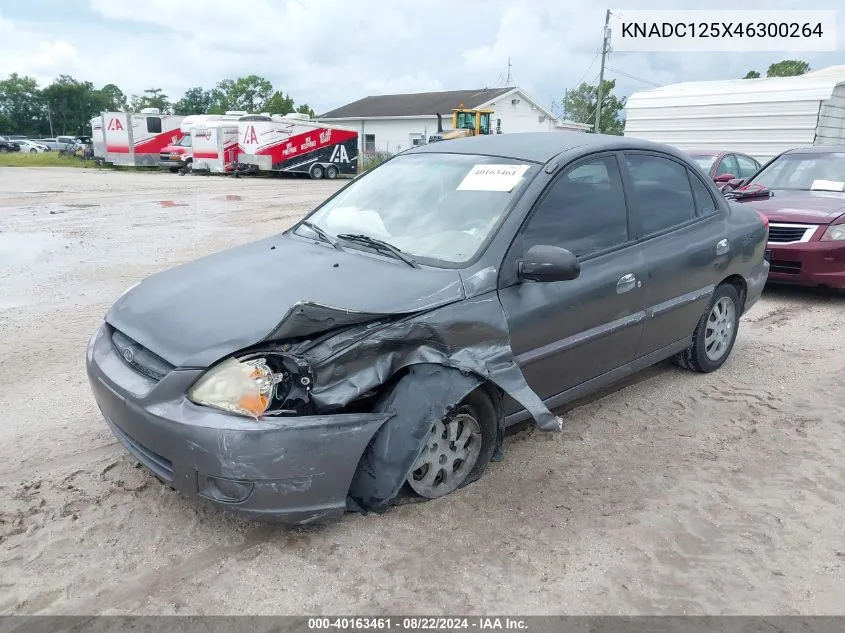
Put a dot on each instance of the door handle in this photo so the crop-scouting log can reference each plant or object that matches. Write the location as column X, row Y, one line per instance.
column 626, row 283
column 722, row 247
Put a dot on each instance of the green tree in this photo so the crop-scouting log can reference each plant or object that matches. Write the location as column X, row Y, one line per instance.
column 788, row 68
column 580, row 106
column 251, row 93
column 71, row 104
column 784, row 68
column 21, row 105
column 114, row 98
column 152, row 98
column 306, row 109
column 196, row 100
column 221, row 97
column 279, row 103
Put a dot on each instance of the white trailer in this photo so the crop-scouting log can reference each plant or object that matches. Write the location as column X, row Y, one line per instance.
column 136, row 139
column 758, row 117
column 98, row 140
column 294, row 143
column 215, row 145
column 179, row 155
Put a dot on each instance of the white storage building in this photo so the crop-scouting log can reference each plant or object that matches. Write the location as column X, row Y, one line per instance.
column 758, row 117
column 392, row 123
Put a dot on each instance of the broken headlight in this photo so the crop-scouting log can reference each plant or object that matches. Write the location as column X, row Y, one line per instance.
column 254, row 385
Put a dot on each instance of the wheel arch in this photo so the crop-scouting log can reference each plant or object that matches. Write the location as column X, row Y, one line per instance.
column 410, row 395
column 741, row 286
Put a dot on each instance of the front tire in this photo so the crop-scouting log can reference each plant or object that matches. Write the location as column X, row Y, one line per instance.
column 715, row 334
column 458, row 447
column 316, row 172
column 33, row 151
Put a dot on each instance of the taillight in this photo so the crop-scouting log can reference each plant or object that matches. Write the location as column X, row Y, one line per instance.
column 765, row 220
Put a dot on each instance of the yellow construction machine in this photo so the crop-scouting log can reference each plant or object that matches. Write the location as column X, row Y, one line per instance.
column 465, row 123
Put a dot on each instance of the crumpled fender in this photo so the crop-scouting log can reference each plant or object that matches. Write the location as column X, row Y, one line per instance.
column 388, row 460
column 470, row 336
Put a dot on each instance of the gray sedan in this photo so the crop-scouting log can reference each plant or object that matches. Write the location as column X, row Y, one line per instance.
column 378, row 349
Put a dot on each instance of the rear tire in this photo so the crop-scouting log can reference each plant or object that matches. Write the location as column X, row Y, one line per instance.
column 316, row 172
column 715, row 334
column 331, row 172
column 33, row 151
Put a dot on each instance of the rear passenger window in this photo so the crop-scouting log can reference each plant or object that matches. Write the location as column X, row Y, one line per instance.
column 583, row 210
column 661, row 192
column 703, row 199
column 153, row 125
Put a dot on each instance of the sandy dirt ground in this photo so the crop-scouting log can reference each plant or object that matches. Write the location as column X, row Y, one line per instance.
column 675, row 493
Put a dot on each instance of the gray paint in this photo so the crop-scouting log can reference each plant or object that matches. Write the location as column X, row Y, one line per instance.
column 356, row 319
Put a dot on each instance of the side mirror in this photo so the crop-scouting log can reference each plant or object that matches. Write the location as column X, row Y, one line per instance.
column 736, row 182
column 724, row 178
column 548, row 263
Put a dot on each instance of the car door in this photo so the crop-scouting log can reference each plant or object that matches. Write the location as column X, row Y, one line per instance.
column 565, row 333
column 684, row 239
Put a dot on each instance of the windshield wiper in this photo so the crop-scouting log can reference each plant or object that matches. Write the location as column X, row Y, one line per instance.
column 379, row 245
column 322, row 234
column 743, row 194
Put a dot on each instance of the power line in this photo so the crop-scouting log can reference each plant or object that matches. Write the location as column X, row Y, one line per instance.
column 634, row 77
column 580, row 81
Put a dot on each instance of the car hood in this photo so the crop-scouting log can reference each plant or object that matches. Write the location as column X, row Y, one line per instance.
column 817, row 207
column 277, row 288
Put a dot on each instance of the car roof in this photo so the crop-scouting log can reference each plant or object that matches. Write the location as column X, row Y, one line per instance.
column 537, row 147
column 706, row 152
column 818, row 149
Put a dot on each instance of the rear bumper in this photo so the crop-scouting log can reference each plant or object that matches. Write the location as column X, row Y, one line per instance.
column 293, row 470
column 808, row 263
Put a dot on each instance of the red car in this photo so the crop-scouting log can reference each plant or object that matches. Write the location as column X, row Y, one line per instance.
column 723, row 167
column 802, row 193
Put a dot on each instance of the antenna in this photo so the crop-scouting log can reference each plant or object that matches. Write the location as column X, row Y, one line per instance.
column 509, row 79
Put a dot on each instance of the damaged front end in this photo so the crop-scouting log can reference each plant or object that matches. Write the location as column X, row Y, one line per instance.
column 415, row 367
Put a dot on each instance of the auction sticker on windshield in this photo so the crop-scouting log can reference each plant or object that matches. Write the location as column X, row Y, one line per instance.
column 827, row 185
column 493, row 178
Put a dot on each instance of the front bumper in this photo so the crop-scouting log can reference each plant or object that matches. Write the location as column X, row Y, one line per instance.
column 812, row 263
column 292, row 470
column 166, row 162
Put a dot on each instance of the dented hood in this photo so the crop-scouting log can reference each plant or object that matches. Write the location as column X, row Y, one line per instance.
column 276, row 288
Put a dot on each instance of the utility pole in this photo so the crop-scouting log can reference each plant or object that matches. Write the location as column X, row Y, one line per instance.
column 605, row 49
column 508, row 80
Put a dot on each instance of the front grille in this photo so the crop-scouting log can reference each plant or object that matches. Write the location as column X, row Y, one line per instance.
column 787, row 233
column 785, row 267
column 160, row 466
column 139, row 357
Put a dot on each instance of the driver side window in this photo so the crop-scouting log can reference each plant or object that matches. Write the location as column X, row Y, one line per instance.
column 583, row 210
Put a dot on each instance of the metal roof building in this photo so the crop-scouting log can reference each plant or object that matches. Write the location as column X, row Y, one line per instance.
column 759, row 117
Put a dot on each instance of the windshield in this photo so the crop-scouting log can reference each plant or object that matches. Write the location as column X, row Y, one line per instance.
column 185, row 141
column 804, row 172
column 704, row 162
column 435, row 207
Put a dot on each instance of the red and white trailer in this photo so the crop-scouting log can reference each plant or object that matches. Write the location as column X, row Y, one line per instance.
column 135, row 139
column 295, row 143
column 215, row 145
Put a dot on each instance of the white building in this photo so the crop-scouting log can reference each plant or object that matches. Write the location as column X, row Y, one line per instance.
column 758, row 117
column 392, row 123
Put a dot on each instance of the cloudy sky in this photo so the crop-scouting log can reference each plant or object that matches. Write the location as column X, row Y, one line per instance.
column 331, row 52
